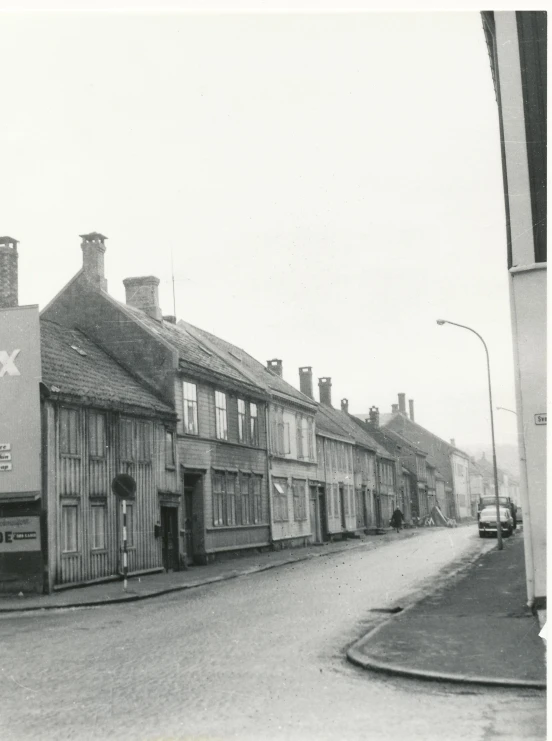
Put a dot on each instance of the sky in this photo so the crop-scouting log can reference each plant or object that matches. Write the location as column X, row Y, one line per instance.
column 325, row 186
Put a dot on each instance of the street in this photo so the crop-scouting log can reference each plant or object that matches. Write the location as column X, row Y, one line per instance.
column 259, row 657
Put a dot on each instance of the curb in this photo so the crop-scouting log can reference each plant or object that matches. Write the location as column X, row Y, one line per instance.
column 184, row 587
column 358, row 658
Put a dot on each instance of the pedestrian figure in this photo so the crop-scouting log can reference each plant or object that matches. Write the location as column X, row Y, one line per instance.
column 397, row 519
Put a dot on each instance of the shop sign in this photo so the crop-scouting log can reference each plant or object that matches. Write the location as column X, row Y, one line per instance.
column 19, row 534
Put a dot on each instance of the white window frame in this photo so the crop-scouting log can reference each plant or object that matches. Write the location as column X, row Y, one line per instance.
column 94, row 531
column 65, row 508
column 221, row 415
column 189, row 402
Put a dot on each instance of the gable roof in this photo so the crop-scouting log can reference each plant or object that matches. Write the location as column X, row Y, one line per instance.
column 360, row 435
column 75, row 367
column 247, row 365
column 325, row 424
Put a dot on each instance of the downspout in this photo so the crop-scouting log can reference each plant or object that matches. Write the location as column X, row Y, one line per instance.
column 269, row 472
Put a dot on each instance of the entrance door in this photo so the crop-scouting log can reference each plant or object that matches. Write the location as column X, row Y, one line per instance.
column 322, row 514
column 169, row 537
column 342, row 502
column 193, row 483
column 377, row 502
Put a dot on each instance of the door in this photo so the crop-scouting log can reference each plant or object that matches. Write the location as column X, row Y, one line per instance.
column 193, row 502
column 313, row 519
column 169, row 538
column 322, row 518
column 188, row 520
column 342, row 503
column 377, row 502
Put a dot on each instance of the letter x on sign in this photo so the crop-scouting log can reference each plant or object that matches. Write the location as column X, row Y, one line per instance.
column 7, row 363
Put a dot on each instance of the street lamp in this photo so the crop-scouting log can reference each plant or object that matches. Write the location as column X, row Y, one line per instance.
column 498, row 526
column 507, row 410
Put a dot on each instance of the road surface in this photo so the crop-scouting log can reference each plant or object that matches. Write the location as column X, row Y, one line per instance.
column 260, row 657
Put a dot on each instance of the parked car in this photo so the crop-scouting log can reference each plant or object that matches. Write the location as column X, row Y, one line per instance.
column 487, row 521
column 490, row 501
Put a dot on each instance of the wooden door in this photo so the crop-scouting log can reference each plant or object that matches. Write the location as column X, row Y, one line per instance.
column 169, row 538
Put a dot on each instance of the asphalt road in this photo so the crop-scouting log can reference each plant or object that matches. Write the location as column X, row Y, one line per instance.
column 260, row 657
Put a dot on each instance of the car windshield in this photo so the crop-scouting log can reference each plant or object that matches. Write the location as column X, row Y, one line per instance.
column 490, row 512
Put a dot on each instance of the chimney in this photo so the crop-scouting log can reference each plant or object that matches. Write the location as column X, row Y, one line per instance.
column 453, row 442
column 275, row 366
column 143, row 293
column 345, row 405
column 402, row 404
column 9, row 297
column 411, row 407
column 325, row 391
column 394, row 408
column 170, row 318
column 305, row 381
column 93, row 251
column 374, row 416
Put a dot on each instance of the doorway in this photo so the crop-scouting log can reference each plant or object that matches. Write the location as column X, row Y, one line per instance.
column 169, row 538
column 193, row 483
column 342, row 502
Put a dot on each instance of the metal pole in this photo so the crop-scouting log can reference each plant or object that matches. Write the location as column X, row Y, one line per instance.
column 497, row 501
column 125, row 548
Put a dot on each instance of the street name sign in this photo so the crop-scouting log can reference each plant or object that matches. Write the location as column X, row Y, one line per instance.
column 540, row 419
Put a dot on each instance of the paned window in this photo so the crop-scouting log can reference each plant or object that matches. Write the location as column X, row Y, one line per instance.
column 299, row 435
column 169, row 449
column 125, row 439
column 241, row 422
column 310, row 438
column 219, row 481
column 143, row 446
column 334, row 455
column 97, row 531
column 231, row 480
column 69, row 431
column 299, row 501
column 320, row 451
column 256, row 482
column 253, row 424
column 281, row 513
column 245, row 499
column 221, row 419
column 190, row 408
column 96, row 434
column 69, row 529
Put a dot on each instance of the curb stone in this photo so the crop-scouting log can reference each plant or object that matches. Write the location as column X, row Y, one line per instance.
column 183, row 587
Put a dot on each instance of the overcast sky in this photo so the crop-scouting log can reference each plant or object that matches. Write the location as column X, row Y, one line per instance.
column 329, row 185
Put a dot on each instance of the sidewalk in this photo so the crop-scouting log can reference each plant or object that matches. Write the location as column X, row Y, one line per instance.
column 155, row 585
column 476, row 630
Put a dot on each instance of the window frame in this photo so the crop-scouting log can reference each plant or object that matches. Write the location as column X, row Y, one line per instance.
column 170, row 446
column 299, row 488
column 242, row 421
column 65, row 508
column 67, row 446
column 221, row 415
column 93, row 530
column 187, row 403
column 253, row 424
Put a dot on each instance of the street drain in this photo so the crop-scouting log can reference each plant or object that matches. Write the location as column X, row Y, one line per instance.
column 389, row 610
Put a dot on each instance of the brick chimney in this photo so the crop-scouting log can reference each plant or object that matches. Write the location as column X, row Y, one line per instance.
column 170, row 318
column 9, row 296
column 275, row 366
column 345, row 405
column 394, row 408
column 143, row 293
column 374, row 416
column 453, row 442
column 402, row 404
column 411, row 407
column 325, row 390
column 305, row 381
column 93, row 251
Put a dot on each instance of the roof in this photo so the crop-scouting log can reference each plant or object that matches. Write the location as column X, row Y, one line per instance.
column 325, row 424
column 360, row 435
column 74, row 366
column 252, row 369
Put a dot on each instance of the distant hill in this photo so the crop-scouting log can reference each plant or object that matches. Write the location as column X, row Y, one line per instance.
column 507, row 456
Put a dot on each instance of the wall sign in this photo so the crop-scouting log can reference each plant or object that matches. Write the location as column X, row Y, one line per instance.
column 19, row 534
column 540, row 419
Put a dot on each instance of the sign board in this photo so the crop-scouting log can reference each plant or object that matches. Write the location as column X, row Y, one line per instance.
column 540, row 419
column 124, row 486
column 20, row 375
column 19, row 534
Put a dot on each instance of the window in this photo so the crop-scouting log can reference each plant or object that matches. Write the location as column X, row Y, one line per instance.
column 334, row 455
column 97, row 534
column 221, row 420
column 231, row 480
column 320, row 451
column 299, row 501
column 190, row 408
column 218, row 499
column 310, row 433
column 69, row 432
column 241, row 422
column 69, row 530
column 253, row 424
column 257, row 499
column 280, row 501
column 125, row 441
column 169, row 449
column 143, row 446
column 245, row 499
column 96, row 434
column 299, row 435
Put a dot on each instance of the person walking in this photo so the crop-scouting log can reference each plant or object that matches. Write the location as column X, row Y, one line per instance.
column 397, row 519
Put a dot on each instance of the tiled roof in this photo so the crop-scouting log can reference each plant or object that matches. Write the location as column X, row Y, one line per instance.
column 359, row 433
column 256, row 371
column 74, row 366
column 324, row 423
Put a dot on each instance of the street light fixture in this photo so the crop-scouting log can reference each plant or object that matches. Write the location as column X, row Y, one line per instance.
column 498, row 526
column 504, row 409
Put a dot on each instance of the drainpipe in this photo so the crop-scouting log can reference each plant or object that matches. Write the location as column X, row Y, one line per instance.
column 269, row 472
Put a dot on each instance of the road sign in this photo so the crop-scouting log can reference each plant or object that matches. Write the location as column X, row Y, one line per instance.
column 124, row 486
column 540, row 419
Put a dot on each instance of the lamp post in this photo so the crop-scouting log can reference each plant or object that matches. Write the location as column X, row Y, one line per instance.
column 504, row 409
column 498, row 525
